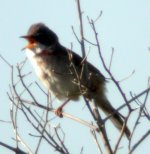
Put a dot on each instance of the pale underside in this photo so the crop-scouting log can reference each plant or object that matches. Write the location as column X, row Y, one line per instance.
column 54, row 75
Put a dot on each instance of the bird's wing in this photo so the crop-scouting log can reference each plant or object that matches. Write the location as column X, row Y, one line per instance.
column 78, row 61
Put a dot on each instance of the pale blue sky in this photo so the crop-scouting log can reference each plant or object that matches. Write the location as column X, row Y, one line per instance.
column 124, row 25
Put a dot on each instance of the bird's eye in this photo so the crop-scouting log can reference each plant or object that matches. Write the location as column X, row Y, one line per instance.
column 37, row 34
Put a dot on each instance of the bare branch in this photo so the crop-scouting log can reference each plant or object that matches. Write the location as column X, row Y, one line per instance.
column 136, row 145
column 16, row 150
column 5, row 61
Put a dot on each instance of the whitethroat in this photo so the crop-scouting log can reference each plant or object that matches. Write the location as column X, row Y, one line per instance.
column 61, row 71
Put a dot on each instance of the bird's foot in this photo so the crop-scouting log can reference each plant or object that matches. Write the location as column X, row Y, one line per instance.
column 58, row 112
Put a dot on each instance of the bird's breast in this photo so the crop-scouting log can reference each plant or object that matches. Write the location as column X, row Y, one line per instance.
column 55, row 76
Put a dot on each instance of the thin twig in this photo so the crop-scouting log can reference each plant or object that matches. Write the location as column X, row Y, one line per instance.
column 16, row 150
column 96, row 141
column 5, row 61
column 122, row 133
column 129, row 101
column 75, row 34
column 139, row 141
column 112, row 54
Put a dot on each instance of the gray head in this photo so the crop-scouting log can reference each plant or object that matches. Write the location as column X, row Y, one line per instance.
column 39, row 32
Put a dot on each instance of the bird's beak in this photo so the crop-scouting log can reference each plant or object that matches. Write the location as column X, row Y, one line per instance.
column 25, row 36
column 31, row 43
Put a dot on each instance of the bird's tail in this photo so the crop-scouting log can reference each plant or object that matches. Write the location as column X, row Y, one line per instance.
column 116, row 118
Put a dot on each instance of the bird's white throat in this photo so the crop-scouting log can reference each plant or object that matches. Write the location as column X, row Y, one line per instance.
column 31, row 53
column 35, row 50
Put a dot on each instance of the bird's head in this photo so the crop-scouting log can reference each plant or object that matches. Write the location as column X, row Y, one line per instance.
column 39, row 34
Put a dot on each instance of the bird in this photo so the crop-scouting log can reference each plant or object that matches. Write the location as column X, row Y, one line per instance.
column 61, row 70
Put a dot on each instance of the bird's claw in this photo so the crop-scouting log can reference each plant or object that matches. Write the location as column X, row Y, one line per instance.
column 58, row 112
